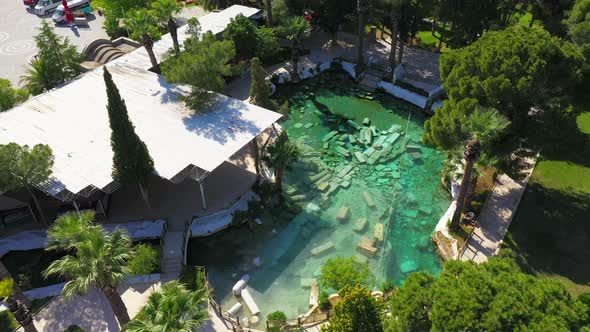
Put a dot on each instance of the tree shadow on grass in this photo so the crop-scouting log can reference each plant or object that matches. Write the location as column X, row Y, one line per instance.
column 550, row 233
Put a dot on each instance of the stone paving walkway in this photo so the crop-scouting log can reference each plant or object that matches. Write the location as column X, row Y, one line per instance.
column 496, row 216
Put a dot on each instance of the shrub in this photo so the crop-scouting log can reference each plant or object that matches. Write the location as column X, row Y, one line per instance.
column 145, row 260
column 74, row 328
column 358, row 311
column 323, row 301
column 243, row 33
column 345, row 271
column 276, row 320
column 113, row 27
column 267, row 44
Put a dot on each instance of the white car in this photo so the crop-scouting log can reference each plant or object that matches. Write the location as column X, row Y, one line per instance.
column 43, row 7
column 75, row 5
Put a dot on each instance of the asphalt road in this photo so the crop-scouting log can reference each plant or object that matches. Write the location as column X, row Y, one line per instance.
column 18, row 25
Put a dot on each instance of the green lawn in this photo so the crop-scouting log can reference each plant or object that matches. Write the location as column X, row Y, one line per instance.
column 563, row 176
column 550, row 232
column 428, row 41
column 583, row 122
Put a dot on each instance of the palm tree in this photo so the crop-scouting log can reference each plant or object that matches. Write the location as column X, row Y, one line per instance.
column 279, row 156
column 482, row 126
column 164, row 11
column 100, row 260
column 142, row 23
column 174, row 308
column 296, row 30
column 36, row 79
column 20, row 311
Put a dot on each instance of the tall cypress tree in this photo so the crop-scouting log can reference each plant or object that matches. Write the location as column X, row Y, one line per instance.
column 259, row 89
column 132, row 163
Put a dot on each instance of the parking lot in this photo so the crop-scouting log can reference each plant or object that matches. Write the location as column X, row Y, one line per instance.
column 18, row 26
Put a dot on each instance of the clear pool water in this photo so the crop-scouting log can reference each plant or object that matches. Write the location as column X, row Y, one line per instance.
column 402, row 180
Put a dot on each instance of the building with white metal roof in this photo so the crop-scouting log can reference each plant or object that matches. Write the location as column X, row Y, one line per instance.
column 73, row 121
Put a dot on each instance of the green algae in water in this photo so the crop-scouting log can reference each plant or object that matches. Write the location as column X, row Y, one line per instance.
column 403, row 185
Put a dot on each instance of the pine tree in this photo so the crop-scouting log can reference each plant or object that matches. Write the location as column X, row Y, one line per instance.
column 132, row 163
column 259, row 89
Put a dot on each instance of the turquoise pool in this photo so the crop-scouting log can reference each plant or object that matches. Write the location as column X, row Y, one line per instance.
column 384, row 183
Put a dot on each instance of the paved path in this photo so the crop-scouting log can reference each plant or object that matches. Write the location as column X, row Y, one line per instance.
column 496, row 216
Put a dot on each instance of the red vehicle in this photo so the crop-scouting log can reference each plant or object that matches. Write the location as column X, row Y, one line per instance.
column 30, row 3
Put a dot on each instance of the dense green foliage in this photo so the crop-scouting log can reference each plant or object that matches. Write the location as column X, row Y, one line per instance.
column 331, row 14
column 280, row 11
column 202, row 65
column 494, row 296
column 267, row 44
column 132, row 163
column 145, row 260
column 10, row 96
column 7, row 321
column 276, row 320
column 411, row 304
column 357, row 311
column 23, row 168
column 242, row 32
column 510, row 70
column 57, row 61
column 142, row 21
column 174, row 308
column 579, row 25
column 345, row 271
column 259, row 88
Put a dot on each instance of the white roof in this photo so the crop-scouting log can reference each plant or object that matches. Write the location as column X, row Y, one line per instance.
column 73, row 121
column 214, row 22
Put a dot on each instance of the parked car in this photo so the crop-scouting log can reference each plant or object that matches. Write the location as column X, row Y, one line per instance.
column 30, row 3
column 76, row 6
column 44, row 7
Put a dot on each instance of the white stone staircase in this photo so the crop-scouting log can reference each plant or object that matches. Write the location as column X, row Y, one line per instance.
column 173, row 252
column 370, row 78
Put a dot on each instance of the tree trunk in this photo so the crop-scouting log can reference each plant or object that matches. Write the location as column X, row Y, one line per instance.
column 455, row 223
column 269, row 13
column 145, row 196
column 256, row 152
column 471, row 190
column 334, row 41
column 117, row 305
column 22, row 315
column 148, row 43
column 400, row 56
column 394, row 30
column 17, row 292
column 279, row 179
column 37, row 206
column 295, row 61
column 174, row 34
column 361, row 32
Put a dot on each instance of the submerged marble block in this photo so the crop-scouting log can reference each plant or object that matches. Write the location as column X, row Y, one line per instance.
column 368, row 199
column 342, row 214
column 322, row 249
column 379, row 232
column 360, row 225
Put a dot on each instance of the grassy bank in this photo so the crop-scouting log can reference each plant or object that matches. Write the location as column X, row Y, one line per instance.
column 550, row 232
